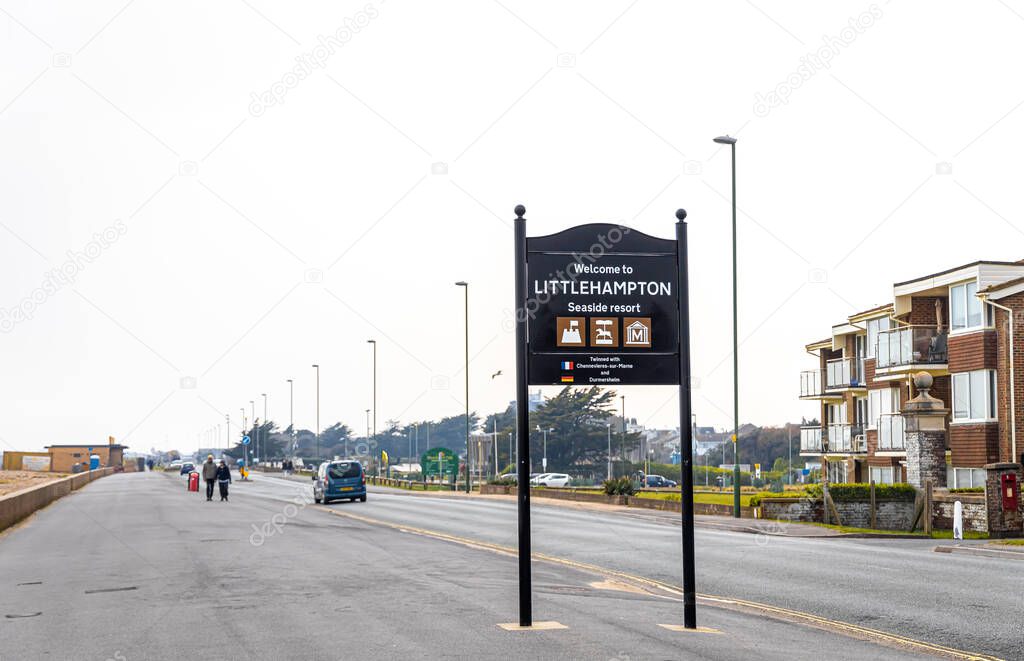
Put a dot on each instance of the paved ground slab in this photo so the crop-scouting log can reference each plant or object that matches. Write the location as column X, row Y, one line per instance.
column 134, row 566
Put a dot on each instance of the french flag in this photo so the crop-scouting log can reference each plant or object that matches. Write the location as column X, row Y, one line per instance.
column 566, row 364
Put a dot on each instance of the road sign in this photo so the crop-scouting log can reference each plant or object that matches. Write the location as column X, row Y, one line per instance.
column 602, row 307
column 439, row 462
column 246, row 440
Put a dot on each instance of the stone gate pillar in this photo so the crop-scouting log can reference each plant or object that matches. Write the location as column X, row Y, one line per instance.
column 1003, row 522
column 925, row 424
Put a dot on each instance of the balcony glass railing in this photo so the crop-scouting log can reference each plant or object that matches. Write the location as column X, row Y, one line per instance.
column 810, row 439
column 810, row 383
column 843, row 437
column 844, row 373
column 911, row 345
column 891, row 433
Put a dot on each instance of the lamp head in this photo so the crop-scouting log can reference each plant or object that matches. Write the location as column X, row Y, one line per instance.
column 725, row 140
column 462, row 283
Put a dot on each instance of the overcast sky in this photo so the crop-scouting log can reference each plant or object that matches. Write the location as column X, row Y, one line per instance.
column 237, row 190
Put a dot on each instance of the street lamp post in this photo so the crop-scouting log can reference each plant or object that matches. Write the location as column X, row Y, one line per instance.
column 465, row 289
column 291, row 413
column 622, row 430
column 317, row 368
column 245, row 450
column 264, row 420
column 544, row 459
column 789, row 430
column 374, row 343
column 255, row 432
column 727, row 140
column 609, row 425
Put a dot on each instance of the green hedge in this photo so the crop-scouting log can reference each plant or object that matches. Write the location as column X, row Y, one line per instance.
column 862, row 492
column 968, row 490
column 755, row 500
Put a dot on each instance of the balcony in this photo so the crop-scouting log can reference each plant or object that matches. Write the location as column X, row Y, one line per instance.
column 911, row 346
column 810, row 440
column 845, row 438
column 843, row 373
column 891, row 433
column 812, row 384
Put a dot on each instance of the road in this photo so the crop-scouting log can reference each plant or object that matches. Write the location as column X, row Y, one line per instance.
column 133, row 566
column 900, row 586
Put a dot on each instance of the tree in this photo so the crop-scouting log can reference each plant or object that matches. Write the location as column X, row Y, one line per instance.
column 447, row 432
column 578, row 418
column 335, row 440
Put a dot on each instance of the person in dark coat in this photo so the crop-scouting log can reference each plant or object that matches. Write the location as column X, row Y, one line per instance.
column 223, row 479
column 210, row 475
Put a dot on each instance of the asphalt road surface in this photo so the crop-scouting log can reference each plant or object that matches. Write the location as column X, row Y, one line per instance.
column 134, row 566
column 900, row 586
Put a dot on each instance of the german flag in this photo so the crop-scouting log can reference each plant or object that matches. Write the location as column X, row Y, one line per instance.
column 567, row 378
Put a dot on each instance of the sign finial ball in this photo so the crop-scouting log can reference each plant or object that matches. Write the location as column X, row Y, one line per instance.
column 681, row 214
column 520, row 211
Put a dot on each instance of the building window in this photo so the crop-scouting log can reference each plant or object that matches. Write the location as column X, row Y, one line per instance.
column 837, row 472
column 882, row 402
column 966, row 478
column 965, row 308
column 874, row 326
column 883, row 474
column 974, row 396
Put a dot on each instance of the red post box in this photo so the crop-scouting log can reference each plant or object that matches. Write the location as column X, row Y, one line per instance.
column 1010, row 491
column 193, row 481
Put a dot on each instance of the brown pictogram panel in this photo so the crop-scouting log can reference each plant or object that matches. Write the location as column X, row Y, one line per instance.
column 569, row 331
column 604, row 332
column 637, row 332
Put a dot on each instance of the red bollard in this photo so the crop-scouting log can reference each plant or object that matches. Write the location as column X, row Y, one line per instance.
column 193, row 481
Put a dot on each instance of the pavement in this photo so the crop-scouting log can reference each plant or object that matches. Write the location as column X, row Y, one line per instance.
column 134, row 566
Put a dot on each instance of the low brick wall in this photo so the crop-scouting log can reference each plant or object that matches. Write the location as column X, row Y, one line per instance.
column 889, row 514
column 16, row 506
column 974, row 510
column 793, row 509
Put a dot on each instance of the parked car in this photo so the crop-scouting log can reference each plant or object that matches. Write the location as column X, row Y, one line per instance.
column 657, row 481
column 335, row 480
column 187, row 468
column 551, row 480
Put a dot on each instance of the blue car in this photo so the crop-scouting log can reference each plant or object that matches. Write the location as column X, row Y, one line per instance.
column 337, row 480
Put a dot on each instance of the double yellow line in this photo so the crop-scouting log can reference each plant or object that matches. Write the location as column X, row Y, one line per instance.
column 777, row 612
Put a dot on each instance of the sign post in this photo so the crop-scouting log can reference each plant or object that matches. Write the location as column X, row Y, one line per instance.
column 605, row 305
column 685, row 428
column 522, row 426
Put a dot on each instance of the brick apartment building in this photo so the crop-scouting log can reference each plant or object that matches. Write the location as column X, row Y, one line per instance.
column 954, row 325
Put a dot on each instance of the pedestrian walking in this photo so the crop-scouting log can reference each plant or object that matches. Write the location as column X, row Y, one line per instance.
column 210, row 475
column 223, row 479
